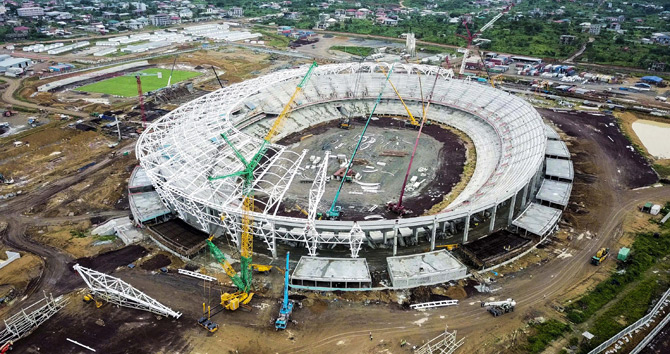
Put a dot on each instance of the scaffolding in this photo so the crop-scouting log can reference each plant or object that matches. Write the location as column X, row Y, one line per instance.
column 31, row 317
column 445, row 343
column 116, row 291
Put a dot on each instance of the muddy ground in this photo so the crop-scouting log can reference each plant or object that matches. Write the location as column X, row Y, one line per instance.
column 449, row 171
column 603, row 130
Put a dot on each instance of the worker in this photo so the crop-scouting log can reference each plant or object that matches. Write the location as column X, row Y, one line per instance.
column 371, row 336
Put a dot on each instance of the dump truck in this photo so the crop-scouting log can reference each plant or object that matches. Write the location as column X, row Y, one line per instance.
column 600, row 256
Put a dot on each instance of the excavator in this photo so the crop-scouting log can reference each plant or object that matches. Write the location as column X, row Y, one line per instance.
column 600, row 256
column 90, row 298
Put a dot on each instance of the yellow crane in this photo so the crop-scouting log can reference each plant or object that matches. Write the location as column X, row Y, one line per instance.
column 243, row 281
column 412, row 120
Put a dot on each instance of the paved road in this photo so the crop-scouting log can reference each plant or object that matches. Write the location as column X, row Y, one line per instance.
column 8, row 97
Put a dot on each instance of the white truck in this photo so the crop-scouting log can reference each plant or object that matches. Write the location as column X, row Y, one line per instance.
column 497, row 308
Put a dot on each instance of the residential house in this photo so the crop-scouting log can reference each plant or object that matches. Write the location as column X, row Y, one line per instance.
column 185, row 13
column 661, row 38
column 236, row 12
column 594, row 29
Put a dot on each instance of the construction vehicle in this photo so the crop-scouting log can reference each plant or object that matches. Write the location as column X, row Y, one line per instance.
column 497, row 308
column 319, row 216
column 448, row 247
column 262, row 268
column 472, row 36
column 90, row 298
column 287, row 305
column 6, row 347
column 334, row 212
column 243, row 281
column 240, row 298
column 345, row 123
column 398, row 208
column 600, row 256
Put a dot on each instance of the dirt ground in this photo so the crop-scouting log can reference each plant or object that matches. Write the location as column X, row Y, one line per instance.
column 387, row 134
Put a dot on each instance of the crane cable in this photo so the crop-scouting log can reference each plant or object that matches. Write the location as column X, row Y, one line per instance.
column 353, row 155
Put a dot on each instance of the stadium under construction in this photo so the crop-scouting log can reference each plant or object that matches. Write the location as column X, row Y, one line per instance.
column 329, row 193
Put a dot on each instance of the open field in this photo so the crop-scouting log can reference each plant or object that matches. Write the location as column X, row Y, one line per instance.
column 126, row 86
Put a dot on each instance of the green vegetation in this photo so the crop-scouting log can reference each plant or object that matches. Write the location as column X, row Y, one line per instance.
column 275, row 40
column 611, row 48
column 77, row 233
column 126, row 86
column 360, row 51
column 646, row 250
column 663, row 171
column 106, row 238
column 545, row 333
column 627, row 310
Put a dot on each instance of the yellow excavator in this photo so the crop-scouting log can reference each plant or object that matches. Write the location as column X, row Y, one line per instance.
column 600, row 256
column 90, row 298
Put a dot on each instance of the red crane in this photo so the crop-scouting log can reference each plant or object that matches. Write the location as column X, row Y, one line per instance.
column 398, row 208
column 141, row 97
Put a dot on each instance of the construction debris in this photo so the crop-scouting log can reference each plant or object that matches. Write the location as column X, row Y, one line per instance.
column 394, row 153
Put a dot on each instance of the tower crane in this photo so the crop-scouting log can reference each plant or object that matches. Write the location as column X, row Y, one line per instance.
column 472, row 36
column 334, row 212
column 140, row 94
column 243, row 281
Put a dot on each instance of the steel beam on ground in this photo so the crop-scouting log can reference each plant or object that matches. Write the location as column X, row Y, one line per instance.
column 119, row 292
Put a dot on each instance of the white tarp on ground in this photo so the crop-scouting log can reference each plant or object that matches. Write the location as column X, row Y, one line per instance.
column 11, row 257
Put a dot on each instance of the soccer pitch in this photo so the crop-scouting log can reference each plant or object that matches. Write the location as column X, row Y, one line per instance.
column 126, row 86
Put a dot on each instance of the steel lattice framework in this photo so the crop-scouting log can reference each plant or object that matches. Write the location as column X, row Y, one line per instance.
column 184, row 147
column 31, row 317
column 117, row 291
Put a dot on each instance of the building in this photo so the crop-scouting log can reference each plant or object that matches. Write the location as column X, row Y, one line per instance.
column 594, row 29
column 567, row 39
column 661, row 38
column 30, row 11
column 160, row 20
column 19, row 63
column 236, row 12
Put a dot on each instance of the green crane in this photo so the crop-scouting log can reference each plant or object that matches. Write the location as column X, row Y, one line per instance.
column 334, row 212
column 247, row 174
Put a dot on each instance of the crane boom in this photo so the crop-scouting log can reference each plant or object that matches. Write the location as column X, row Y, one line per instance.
column 247, row 239
column 333, row 212
column 221, row 259
column 411, row 117
column 277, row 123
column 399, row 208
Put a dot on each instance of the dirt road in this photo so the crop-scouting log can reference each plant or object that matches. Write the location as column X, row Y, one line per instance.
column 55, row 260
column 8, row 97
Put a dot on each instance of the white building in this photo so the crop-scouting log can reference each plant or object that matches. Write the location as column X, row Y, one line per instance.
column 30, row 11
column 20, row 63
column 235, row 12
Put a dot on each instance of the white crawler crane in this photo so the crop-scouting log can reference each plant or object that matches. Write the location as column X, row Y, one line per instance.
column 497, row 308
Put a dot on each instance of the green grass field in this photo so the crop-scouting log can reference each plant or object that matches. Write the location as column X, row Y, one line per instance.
column 126, row 86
